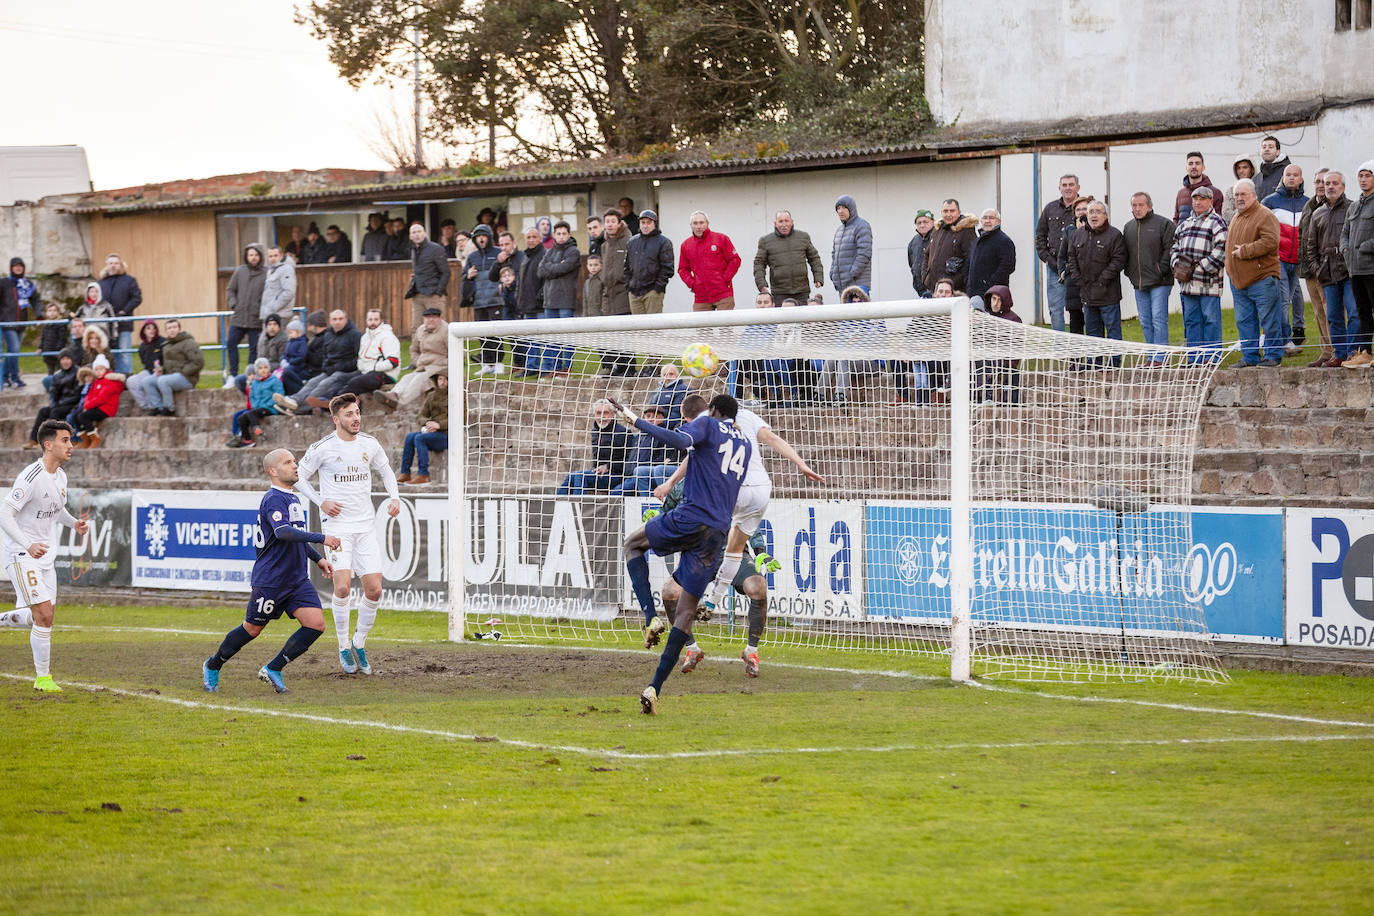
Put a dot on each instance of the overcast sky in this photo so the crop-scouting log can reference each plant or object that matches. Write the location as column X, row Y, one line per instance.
column 158, row 90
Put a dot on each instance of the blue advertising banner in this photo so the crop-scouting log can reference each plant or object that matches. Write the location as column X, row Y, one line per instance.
column 194, row 540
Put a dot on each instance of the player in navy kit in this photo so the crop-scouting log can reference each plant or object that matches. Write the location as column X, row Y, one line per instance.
column 695, row 528
column 281, row 579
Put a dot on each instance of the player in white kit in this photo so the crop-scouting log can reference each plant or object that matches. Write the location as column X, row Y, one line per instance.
column 346, row 459
column 29, row 518
column 749, row 510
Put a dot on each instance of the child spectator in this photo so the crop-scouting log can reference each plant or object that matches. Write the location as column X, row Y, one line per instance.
column 54, row 338
column 150, row 355
column 999, row 379
column 64, row 393
column 100, row 402
column 293, row 366
column 96, row 306
column 432, row 434
column 260, row 404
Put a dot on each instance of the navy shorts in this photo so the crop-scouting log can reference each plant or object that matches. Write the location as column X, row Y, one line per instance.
column 265, row 605
column 700, row 547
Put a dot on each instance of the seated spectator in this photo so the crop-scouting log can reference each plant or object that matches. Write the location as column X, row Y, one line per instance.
column 292, row 367
column 379, row 356
column 95, row 343
column 999, row 379
column 53, row 338
column 835, row 373
column 428, row 355
column 296, row 247
column 448, row 238
column 101, row 401
column 64, row 394
column 150, row 343
column 651, row 462
column 669, row 394
column 339, row 368
column 96, row 306
column 338, row 248
column 432, row 436
column 261, row 390
column 182, row 361
column 314, row 250
column 317, row 350
column 271, row 344
column 816, row 299
column 610, row 451
column 375, row 239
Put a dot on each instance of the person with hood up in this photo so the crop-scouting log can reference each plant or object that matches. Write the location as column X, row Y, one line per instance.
column 150, row 342
column 1243, row 167
column 648, row 266
column 64, row 394
column 244, row 298
column 339, row 368
column 95, row 305
column 279, row 289
column 294, row 366
column 375, row 239
column 851, row 251
column 1287, row 205
column 100, row 403
column 1270, row 168
column 1193, row 179
column 483, row 296
column 999, row 379
column 121, row 290
column 707, row 263
column 545, row 226
column 947, row 248
column 379, row 356
column 17, row 296
column 94, row 342
column 991, row 257
column 432, row 436
column 558, row 271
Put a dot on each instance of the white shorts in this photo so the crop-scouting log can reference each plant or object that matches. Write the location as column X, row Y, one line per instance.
column 359, row 552
column 750, row 506
column 34, row 581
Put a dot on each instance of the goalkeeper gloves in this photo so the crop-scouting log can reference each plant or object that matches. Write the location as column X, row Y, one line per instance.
column 650, row 514
column 765, row 564
column 625, row 413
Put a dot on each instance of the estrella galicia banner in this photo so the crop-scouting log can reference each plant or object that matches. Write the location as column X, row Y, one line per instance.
column 1330, row 578
column 192, row 539
column 100, row 557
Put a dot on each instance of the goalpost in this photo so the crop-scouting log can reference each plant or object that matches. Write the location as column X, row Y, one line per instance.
column 1013, row 498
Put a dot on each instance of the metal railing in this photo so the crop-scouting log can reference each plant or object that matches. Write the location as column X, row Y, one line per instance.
column 222, row 346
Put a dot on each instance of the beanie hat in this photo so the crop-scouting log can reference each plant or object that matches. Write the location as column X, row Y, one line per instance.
column 926, row 213
column 295, row 325
column 1366, row 167
column 317, row 318
column 99, row 361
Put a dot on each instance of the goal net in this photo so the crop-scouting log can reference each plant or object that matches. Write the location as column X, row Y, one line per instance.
column 1010, row 497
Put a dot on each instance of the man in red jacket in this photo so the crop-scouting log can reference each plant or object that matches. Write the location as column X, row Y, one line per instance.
column 707, row 263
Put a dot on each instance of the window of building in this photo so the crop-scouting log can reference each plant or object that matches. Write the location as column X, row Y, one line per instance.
column 1343, row 15
column 1364, row 12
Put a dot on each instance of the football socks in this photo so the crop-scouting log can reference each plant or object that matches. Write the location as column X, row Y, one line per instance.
column 295, row 647
column 40, row 641
column 638, row 568
column 234, row 640
column 671, row 652
column 340, row 608
column 367, row 616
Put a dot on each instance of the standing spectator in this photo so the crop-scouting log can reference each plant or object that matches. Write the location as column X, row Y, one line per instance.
column 615, row 296
column 851, row 251
column 1328, row 266
column 707, row 264
column 558, row 270
column 338, row 248
column 626, row 207
column 545, row 226
column 279, row 289
column 429, row 275
column 483, row 296
column 121, row 290
column 340, row 365
column 1198, row 260
column 12, row 311
column 428, row 354
column 1307, row 260
column 1357, row 246
column 313, row 250
column 263, row 387
column 1097, row 255
column 1243, row 167
column 1271, row 167
column 1049, row 234
column 1287, row 205
column 100, row 402
column 244, row 298
column 53, row 338
column 375, row 238
column 946, row 253
column 991, row 257
column 487, row 217
column 296, row 247
column 448, row 238
column 432, row 436
column 915, row 249
column 1194, row 178
column 23, row 289
column 150, row 342
column 1149, row 241
column 294, row 365
column 182, row 361
column 1073, row 303
column 529, row 300
column 462, row 245
column 595, row 234
column 591, row 306
column 64, row 394
column 397, row 241
column 1252, row 263
column 610, row 454
column 95, row 305
column 783, row 258
column 648, row 266
column 379, row 356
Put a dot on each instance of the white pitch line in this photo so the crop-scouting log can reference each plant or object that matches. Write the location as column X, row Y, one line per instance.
column 614, row 754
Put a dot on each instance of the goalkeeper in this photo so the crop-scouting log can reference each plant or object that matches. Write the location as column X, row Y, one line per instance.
column 749, row 582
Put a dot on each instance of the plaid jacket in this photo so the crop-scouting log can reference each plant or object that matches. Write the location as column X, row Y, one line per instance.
column 1201, row 240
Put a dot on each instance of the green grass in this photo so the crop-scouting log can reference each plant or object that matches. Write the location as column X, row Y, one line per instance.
column 1131, row 330
column 931, row 797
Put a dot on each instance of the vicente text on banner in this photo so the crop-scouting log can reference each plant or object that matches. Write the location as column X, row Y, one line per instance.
column 189, row 539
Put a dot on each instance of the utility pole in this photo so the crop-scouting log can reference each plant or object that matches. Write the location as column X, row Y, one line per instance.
column 419, row 143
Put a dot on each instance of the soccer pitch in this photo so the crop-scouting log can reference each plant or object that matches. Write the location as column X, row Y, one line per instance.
column 501, row 778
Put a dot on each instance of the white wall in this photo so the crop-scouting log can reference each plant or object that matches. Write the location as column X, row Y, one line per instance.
column 887, row 196
column 33, row 172
column 1347, row 139
column 1054, row 59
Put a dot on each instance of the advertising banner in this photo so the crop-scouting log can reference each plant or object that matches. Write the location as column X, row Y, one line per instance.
column 197, row 540
column 102, row 556
column 1330, row 563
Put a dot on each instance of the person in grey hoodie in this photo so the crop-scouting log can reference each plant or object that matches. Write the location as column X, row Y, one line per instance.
column 279, row 290
column 244, row 298
column 851, row 253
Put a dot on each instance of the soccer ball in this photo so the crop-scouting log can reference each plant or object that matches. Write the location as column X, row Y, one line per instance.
column 699, row 360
